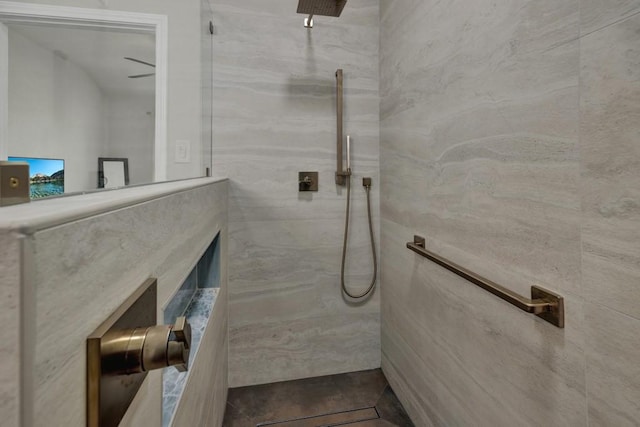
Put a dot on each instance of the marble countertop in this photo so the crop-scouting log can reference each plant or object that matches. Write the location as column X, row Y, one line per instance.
column 31, row 217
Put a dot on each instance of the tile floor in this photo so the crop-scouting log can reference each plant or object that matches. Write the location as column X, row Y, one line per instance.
column 356, row 399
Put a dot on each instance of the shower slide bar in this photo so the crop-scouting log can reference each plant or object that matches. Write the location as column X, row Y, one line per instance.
column 543, row 303
column 341, row 172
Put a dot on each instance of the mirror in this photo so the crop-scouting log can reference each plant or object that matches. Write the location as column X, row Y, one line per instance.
column 112, row 172
column 81, row 94
column 81, row 84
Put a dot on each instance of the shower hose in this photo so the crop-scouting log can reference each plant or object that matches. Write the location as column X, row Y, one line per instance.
column 344, row 244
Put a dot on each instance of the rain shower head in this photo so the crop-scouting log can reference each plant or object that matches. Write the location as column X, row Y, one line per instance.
column 320, row 7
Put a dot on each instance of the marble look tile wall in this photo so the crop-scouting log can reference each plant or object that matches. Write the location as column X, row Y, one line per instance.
column 80, row 272
column 509, row 138
column 597, row 14
column 610, row 152
column 274, row 115
column 10, row 333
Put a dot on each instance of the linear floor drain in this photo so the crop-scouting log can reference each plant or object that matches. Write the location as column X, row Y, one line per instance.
column 333, row 419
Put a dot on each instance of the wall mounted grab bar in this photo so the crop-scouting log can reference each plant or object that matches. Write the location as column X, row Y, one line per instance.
column 543, row 303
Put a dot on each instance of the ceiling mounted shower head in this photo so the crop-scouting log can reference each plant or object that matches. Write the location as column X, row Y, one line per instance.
column 320, row 7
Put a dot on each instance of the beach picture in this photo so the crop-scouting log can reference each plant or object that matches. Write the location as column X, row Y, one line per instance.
column 46, row 176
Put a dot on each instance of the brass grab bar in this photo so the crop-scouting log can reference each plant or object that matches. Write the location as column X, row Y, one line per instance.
column 543, row 303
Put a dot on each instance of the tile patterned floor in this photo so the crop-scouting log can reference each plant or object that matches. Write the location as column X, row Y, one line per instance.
column 356, row 399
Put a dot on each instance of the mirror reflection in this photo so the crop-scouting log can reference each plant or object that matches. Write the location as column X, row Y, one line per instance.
column 77, row 95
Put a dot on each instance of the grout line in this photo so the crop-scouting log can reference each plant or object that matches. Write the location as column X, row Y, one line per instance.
column 377, row 413
column 581, row 36
column 381, row 394
column 624, row 18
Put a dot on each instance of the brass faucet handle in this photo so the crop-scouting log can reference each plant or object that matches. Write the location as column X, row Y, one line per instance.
column 178, row 350
column 307, row 180
column 182, row 331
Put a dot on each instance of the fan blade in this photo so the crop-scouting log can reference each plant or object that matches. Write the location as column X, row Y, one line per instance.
column 141, row 75
column 140, row 62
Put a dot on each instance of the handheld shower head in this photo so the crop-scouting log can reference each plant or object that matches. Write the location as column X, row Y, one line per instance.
column 320, row 7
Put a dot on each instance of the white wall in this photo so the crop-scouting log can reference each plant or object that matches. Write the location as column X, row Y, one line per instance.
column 130, row 133
column 55, row 110
column 184, row 93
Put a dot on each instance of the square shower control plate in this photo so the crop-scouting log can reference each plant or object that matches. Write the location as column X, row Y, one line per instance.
column 307, row 181
column 109, row 396
column 14, row 183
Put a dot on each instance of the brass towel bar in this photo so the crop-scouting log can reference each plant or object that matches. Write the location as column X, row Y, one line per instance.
column 543, row 303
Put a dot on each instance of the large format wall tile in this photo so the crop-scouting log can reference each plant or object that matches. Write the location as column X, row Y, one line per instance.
column 274, row 115
column 610, row 125
column 479, row 153
column 479, row 135
column 491, row 149
column 10, row 336
column 457, row 353
column 613, row 372
column 610, row 136
column 597, row 14
column 80, row 272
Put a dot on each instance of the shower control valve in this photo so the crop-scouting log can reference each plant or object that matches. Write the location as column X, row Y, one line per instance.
column 142, row 349
column 307, row 181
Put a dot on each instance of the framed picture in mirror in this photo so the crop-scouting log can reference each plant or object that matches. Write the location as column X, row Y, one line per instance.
column 113, row 172
column 46, row 176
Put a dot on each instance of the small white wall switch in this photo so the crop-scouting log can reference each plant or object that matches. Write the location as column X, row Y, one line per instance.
column 183, row 151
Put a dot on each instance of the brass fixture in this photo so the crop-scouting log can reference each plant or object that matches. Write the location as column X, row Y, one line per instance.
column 307, row 181
column 543, row 303
column 343, row 177
column 124, row 348
column 366, row 183
column 341, row 173
column 320, row 7
column 131, row 351
column 14, row 183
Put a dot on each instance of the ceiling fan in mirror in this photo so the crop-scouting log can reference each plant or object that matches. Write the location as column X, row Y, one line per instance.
column 137, row 76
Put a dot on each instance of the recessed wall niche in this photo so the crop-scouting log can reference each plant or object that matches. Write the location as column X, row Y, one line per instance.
column 194, row 300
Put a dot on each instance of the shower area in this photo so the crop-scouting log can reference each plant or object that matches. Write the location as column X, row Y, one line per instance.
column 468, row 171
column 506, row 134
column 275, row 114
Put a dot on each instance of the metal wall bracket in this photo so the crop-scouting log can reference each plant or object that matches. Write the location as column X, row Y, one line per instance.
column 555, row 312
column 109, row 396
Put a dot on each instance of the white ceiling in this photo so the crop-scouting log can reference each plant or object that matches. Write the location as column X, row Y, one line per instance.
column 100, row 52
